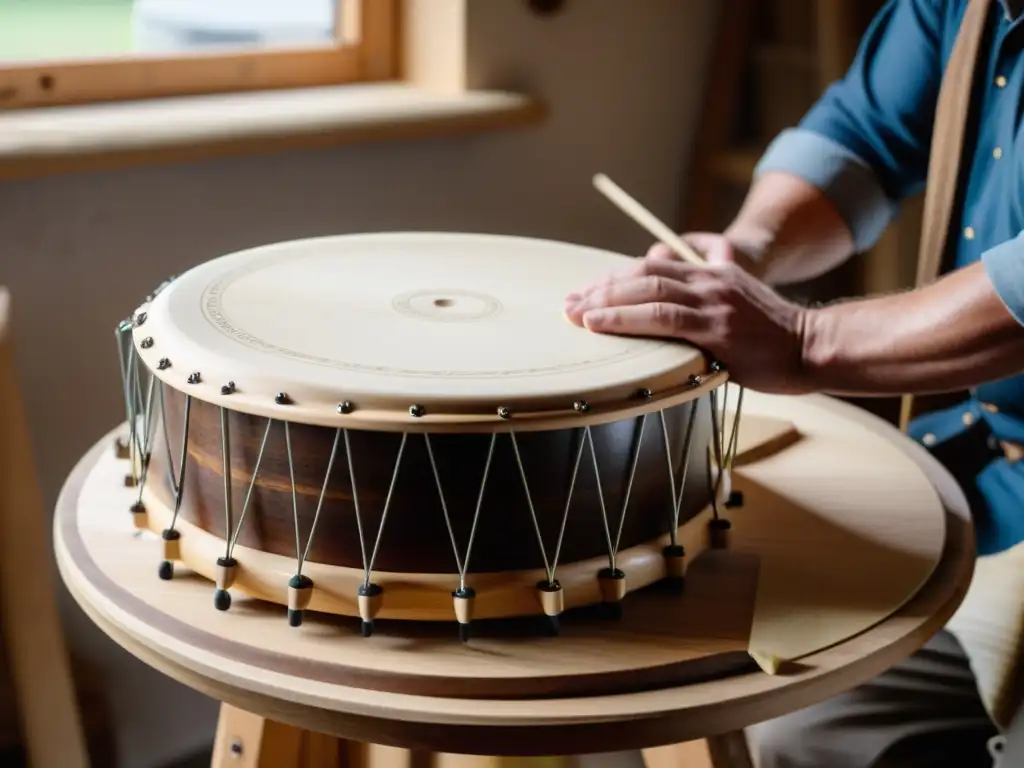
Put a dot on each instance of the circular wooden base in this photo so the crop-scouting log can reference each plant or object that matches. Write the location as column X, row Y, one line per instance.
column 838, row 533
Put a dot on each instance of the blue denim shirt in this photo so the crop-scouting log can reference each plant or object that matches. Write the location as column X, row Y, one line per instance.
column 866, row 144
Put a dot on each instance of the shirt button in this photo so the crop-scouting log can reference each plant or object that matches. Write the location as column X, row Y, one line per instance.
column 969, row 233
column 997, row 152
column 1000, row 82
column 968, row 419
column 928, row 439
column 990, row 408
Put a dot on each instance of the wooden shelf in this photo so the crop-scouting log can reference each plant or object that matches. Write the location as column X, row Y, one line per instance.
column 103, row 136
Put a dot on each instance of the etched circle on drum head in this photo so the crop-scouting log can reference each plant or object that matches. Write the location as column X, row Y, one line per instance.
column 458, row 325
column 446, row 305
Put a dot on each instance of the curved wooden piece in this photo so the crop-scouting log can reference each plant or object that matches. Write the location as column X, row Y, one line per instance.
column 559, row 725
column 29, row 620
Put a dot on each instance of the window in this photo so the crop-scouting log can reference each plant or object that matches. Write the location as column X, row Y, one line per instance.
column 82, row 51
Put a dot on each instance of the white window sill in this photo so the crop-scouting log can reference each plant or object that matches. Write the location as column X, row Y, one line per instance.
column 100, row 136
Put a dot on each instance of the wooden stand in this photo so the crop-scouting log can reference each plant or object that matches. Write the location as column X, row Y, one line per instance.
column 819, row 626
column 245, row 740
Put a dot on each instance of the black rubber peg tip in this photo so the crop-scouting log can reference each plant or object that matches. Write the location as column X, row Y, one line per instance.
column 221, row 599
column 552, row 626
column 294, row 618
column 166, row 570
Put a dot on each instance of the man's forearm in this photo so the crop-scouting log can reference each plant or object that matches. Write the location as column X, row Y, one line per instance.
column 953, row 334
column 790, row 229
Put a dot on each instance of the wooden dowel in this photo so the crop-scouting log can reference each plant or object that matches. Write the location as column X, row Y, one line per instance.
column 632, row 208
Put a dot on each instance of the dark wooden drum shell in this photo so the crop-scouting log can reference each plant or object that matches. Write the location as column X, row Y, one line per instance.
column 415, row 537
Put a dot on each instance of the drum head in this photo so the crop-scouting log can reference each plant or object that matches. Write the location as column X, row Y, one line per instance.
column 407, row 326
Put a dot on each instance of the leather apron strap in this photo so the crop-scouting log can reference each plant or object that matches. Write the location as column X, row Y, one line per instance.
column 951, row 115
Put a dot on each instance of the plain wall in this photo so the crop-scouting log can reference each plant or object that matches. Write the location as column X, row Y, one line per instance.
column 624, row 82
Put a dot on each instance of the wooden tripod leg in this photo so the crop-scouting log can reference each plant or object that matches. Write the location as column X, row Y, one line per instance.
column 245, row 740
column 448, row 760
column 688, row 754
column 729, row 750
column 377, row 756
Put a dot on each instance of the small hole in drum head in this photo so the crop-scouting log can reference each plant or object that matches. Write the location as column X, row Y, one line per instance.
column 443, row 302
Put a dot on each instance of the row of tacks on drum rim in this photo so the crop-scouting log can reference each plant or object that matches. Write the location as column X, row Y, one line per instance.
column 347, row 407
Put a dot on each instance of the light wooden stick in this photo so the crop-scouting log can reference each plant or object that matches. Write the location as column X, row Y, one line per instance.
column 632, row 208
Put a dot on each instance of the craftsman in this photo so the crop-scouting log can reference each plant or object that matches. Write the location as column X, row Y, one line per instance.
column 822, row 192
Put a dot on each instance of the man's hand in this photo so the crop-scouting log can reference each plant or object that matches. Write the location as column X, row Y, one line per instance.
column 719, row 307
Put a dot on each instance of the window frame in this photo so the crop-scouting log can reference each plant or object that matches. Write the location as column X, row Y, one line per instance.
column 366, row 50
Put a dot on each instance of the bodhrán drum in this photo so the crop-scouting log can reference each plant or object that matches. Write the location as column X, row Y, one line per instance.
column 406, row 426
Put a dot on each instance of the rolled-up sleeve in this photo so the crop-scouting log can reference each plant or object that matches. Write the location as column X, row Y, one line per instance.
column 1004, row 265
column 865, row 143
column 847, row 180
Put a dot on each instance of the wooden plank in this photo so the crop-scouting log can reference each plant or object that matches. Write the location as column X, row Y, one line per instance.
column 39, row 664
